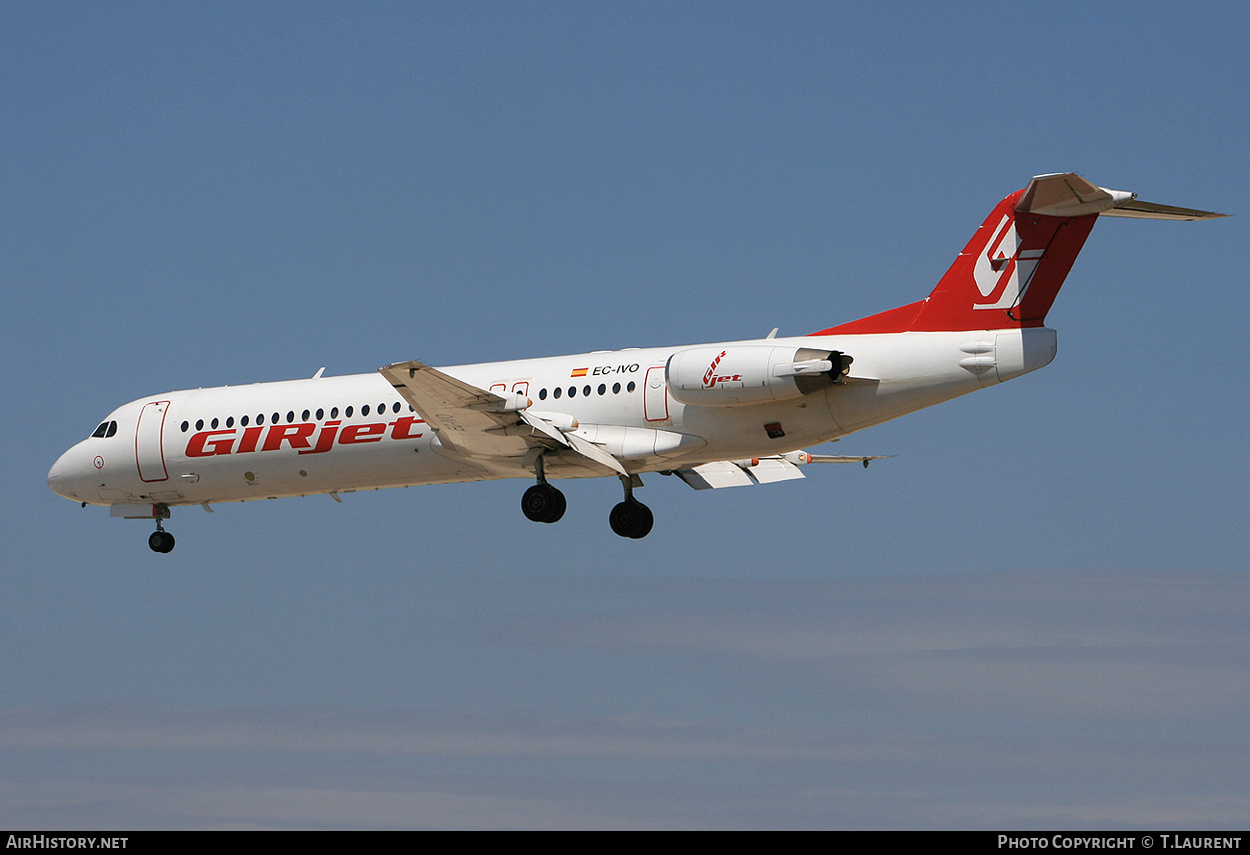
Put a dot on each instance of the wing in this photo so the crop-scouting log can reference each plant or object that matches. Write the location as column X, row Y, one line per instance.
column 475, row 423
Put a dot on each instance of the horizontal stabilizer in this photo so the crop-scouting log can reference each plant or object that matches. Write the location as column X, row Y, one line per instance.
column 1067, row 194
column 1150, row 211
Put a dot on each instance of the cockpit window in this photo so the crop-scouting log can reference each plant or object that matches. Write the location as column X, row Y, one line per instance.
column 105, row 430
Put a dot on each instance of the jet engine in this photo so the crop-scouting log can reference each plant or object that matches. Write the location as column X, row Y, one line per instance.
column 751, row 374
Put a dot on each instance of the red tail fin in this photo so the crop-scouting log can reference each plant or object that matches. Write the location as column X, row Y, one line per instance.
column 1009, row 273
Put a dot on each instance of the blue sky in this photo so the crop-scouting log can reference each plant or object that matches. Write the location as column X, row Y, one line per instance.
column 1032, row 616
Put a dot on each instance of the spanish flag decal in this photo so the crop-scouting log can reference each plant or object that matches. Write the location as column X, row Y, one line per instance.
column 579, row 372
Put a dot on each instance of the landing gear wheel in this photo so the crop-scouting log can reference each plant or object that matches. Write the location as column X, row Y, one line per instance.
column 161, row 541
column 543, row 503
column 631, row 518
column 558, row 511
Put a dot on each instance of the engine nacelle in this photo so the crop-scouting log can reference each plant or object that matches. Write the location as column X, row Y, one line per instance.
column 751, row 374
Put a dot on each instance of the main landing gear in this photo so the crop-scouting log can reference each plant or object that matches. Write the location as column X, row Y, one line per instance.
column 544, row 503
column 631, row 518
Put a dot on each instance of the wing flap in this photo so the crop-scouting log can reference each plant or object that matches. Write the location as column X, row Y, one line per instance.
column 760, row 470
column 595, row 453
column 714, row 476
column 772, row 469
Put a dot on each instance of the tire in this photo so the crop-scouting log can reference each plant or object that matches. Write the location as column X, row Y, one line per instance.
column 644, row 525
column 632, row 519
column 559, row 507
column 543, row 503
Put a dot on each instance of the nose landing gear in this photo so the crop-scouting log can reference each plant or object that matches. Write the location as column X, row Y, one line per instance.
column 161, row 540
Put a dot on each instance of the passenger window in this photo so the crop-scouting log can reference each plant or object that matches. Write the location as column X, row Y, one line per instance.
column 364, row 411
column 199, row 424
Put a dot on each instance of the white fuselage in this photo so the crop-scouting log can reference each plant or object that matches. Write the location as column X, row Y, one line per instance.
column 716, row 415
column 340, row 434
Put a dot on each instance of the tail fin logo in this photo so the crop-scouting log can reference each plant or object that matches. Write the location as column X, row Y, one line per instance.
column 1003, row 271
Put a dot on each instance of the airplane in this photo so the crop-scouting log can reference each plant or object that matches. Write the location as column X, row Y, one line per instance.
column 715, row 415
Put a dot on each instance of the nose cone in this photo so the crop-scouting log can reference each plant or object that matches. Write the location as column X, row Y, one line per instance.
column 64, row 477
column 56, row 477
